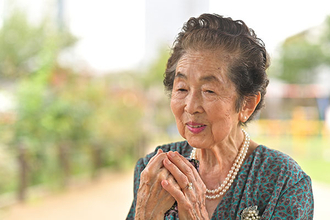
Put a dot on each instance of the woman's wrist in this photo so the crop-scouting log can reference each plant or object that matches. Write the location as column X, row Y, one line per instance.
column 158, row 216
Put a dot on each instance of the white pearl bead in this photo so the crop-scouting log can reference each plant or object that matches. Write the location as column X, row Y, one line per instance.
column 233, row 170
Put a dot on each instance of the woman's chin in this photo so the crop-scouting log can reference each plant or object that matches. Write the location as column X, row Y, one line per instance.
column 196, row 142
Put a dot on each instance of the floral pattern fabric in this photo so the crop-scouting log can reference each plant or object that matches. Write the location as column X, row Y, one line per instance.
column 268, row 179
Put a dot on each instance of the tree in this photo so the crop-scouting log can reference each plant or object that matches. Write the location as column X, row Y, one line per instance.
column 301, row 54
column 28, row 56
column 22, row 45
column 325, row 40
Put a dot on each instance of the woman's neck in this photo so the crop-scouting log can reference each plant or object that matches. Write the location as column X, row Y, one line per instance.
column 216, row 161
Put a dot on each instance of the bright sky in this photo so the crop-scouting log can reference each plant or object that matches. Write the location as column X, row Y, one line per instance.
column 112, row 33
column 274, row 21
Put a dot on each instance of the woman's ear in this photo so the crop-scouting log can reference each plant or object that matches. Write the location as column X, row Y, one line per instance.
column 249, row 105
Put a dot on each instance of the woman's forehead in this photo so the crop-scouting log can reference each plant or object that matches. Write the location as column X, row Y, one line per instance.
column 206, row 65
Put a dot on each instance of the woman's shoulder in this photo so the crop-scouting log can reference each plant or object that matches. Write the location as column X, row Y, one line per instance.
column 274, row 157
column 274, row 162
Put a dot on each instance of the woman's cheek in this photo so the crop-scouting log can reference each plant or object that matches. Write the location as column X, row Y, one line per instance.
column 177, row 108
column 181, row 128
column 177, row 105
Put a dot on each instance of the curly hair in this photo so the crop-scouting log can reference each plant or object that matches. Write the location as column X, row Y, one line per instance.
column 247, row 69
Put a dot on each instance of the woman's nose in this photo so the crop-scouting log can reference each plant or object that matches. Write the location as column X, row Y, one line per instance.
column 193, row 103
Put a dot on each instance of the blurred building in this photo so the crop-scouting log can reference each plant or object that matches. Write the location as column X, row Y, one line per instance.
column 283, row 99
column 309, row 99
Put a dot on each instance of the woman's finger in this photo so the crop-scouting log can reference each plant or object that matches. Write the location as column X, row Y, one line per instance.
column 186, row 168
column 156, row 162
column 182, row 163
column 152, row 198
column 181, row 178
column 176, row 192
column 159, row 151
column 182, row 196
column 195, row 172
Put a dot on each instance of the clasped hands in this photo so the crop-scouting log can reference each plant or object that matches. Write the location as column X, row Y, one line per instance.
column 167, row 178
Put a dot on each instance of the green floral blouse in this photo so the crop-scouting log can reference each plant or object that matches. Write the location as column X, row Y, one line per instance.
column 269, row 185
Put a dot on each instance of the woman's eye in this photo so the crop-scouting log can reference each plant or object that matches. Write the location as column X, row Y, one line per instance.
column 182, row 90
column 209, row 91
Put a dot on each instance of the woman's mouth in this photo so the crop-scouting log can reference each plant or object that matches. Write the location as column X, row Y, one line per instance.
column 195, row 127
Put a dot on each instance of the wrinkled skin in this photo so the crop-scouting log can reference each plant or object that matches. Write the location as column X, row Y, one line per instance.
column 203, row 104
column 152, row 199
column 164, row 181
column 191, row 202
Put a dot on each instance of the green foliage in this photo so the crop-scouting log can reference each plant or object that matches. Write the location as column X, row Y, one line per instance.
column 299, row 58
column 66, row 123
column 160, row 114
column 325, row 40
column 155, row 73
column 22, row 44
column 84, row 115
column 301, row 55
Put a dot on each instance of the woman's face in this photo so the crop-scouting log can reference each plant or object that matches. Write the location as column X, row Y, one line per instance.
column 203, row 99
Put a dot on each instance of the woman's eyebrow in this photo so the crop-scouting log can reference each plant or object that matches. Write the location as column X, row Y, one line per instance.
column 180, row 75
column 210, row 78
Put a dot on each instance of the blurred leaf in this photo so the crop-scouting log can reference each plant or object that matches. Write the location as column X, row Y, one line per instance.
column 22, row 44
column 155, row 73
column 300, row 56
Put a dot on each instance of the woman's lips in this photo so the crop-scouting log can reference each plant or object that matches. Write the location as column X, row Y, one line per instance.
column 195, row 127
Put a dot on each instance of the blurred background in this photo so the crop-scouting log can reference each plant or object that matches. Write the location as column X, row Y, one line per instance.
column 81, row 96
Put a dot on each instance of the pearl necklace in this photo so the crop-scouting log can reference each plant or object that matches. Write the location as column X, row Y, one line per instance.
column 216, row 193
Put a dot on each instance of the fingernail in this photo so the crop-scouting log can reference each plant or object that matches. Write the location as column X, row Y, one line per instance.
column 172, row 154
column 165, row 183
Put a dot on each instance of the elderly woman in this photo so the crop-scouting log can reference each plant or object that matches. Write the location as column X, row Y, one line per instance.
column 217, row 81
